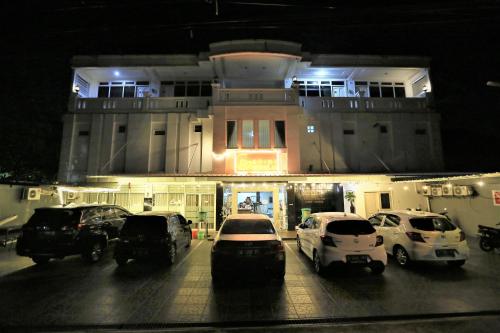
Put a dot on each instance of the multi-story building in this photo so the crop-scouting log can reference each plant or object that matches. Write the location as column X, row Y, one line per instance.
column 252, row 118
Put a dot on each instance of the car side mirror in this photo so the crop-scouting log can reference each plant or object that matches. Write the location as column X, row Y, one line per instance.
column 190, row 222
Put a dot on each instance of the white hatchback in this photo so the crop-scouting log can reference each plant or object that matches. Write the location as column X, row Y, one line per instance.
column 416, row 235
column 341, row 238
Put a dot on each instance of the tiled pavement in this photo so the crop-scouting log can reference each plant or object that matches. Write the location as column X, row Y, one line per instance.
column 69, row 292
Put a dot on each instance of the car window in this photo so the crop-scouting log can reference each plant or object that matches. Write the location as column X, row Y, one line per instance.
column 432, row 224
column 174, row 219
column 108, row 213
column 315, row 223
column 182, row 219
column 247, row 227
column 391, row 221
column 350, row 227
column 309, row 222
column 55, row 217
column 376, row 220
column 121, row 213
column 148, row 225
column 92, row 215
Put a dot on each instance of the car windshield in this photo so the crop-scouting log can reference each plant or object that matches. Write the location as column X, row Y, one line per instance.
column 247, row 227
column 149, row 225
column 55, row 217
column 350, row 227
column 432, row 224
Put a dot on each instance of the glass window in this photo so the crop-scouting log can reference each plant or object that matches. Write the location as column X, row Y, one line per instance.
column 180, row 89
column 129, row 91
column 392, row 221
column 432, row 224
column 103, row 91
column 348, row 132
column 232, row 134
column 108, row 213
column 385, row 200
column 116, row 91
column 279, row 134
column 247, row 134
column 312, row 91
column 374, row 91
column 302, row 90
column 193, row 89
column 387, row 91
column 150, row 226
column 326, row 91
column 206, row 89
column 350, row 227
column 247, row 227
column 311, row 128
column 264, row 134
column 420, row 131
column 376, row 220
column 399, row 92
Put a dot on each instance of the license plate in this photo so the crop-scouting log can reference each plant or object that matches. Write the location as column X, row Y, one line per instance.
column 248, row 253
column 445, row 253
column 358, row 259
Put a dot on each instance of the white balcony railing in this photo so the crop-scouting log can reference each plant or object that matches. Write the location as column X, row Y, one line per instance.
column 140, row 104
column 364, row 104
column 229, row 96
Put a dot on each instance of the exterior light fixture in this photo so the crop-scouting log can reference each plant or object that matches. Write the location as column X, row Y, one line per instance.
column 480, row 183
column 405, row 188
column 116, row 73
column 424, row 88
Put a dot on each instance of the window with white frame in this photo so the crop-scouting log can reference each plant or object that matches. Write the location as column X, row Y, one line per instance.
column 264, row 134
column 122, row 89
column 247, row 134
column 311, row 128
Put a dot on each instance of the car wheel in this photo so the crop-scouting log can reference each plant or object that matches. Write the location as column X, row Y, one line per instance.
column 299, row 245
column 402, row 256
column 121, row 261
column 94, row 252
column 485, row 245
column 172, row 253
column 40, row 260
column 377, row 268
column 456, row 263
column 318, row 266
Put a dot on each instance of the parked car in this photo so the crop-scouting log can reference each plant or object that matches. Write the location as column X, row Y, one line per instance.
column 335, row 238
column 158, row 235
column 56, row 232
column 416, row 235
column 247, row 243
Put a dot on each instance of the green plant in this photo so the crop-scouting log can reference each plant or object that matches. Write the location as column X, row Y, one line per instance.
column 351, row 197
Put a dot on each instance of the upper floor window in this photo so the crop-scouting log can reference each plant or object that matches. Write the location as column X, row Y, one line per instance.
column 247, row 134
column 186, row 88
column 311, row 128
column 123, row 89
column 231, row 134
column 279, row 134
column 387, row 89
column 264, row 134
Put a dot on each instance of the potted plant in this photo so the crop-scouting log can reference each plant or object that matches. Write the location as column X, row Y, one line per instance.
column 351, row 197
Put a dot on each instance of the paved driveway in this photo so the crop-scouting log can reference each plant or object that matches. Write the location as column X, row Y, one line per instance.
column 70, row 292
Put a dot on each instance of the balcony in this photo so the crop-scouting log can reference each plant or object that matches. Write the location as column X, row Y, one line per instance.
column 148, row 104
column 364, row 104
column 225, row 96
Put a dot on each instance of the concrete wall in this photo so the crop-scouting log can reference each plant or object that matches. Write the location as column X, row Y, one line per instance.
column 12, row 204
column 470, row 211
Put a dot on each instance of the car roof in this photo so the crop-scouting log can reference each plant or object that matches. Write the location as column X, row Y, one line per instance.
column 411, row 213
column 247, row 217
column 78, row 206
column 151, row 213
column 338, row 216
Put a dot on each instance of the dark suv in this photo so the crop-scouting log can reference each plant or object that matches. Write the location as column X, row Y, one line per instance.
column 153, row 234
column 61, row 231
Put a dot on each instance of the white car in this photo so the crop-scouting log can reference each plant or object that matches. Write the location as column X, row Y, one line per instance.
column 341, row 238
column 416, row 235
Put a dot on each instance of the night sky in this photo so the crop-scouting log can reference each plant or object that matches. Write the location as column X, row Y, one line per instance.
column 39, row 38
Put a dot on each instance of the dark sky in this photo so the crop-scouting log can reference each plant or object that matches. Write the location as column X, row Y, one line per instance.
column 39, row 38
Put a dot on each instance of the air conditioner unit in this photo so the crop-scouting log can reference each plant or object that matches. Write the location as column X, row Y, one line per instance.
column 447, row 190
column 71, row 195
column 426, row 190
column 436, row 191
column 33, row 193
column 462, row 191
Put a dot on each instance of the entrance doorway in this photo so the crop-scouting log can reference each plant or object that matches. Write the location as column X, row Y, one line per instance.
column 256, row 202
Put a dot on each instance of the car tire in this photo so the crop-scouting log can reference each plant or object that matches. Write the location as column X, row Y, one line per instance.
column 172, row 253
column 40, row 260
column 318, row 266
column 377, row 268
column 485, row 244
column 299, row 244
column 456, row 263
column 121, row 261
column 401, row 256
column 94, row 252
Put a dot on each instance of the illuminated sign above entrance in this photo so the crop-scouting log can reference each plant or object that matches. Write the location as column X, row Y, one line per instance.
column 258, row 162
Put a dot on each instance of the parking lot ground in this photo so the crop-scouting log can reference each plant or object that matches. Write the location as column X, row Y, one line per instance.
column 72, row 293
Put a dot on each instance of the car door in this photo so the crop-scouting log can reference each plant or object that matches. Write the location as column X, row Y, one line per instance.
column 185, row 229
column 109, row 222
column 307, row 237
column 377, row 222
column 176, row 231
column 391, row 231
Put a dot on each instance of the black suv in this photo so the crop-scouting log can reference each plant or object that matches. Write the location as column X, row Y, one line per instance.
column 61, row 231
column 153, row 234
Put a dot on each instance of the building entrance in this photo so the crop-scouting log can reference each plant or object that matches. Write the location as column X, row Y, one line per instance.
column 256, row 202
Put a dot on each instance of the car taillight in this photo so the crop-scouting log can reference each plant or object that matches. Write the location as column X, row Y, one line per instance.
column 415, row 236
column 380, row 241
column 327, row 240
column 462, row 236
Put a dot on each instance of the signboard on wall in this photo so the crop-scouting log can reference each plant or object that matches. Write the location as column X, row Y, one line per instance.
column 258, row 162
column 496, row 197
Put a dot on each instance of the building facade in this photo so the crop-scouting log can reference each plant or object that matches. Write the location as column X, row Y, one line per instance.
column 257, row 119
